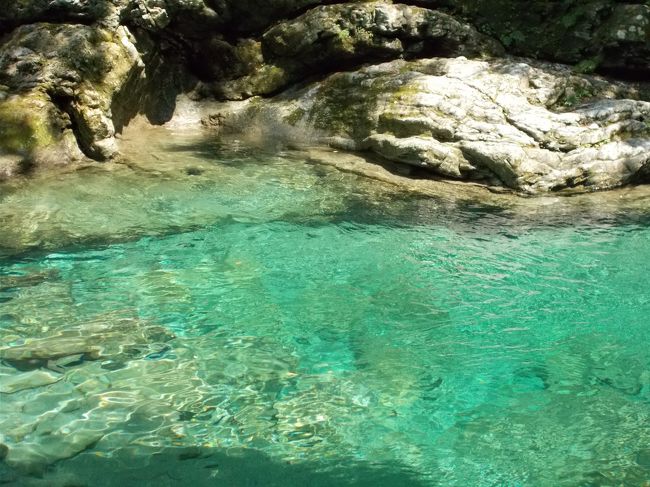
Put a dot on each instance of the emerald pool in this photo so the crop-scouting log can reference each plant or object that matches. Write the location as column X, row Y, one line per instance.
column 206, row 314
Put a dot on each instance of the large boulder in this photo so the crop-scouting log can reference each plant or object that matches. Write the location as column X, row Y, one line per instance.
column 530, row 127
column 59, row 84
column 334, row 37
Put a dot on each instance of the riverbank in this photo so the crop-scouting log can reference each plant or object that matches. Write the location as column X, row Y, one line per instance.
column 436, row 86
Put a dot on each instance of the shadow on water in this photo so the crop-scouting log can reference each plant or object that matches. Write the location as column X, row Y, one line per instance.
column 394, row 210
column 229, row 150
column 205, row 466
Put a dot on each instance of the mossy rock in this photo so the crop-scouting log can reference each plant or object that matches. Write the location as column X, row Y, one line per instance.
column 27, row 124
column 595, row 35
column 341, row 108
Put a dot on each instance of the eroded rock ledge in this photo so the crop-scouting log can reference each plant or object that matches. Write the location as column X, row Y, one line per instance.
column 426, row 83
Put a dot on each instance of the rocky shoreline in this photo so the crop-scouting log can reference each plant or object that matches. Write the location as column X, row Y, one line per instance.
column 430, row 84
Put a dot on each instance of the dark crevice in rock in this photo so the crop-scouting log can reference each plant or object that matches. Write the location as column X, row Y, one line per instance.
column 248, row 24
column 152, row 91
column 429, row 49
column 228, row 66
column 26, row 165
column 641, row 177
column 629, row 74
column 63, row 104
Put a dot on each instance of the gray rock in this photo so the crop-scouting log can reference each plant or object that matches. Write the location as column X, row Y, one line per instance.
column 115, row 339
column 470, row 119
column 60, row 78
column 28, row 380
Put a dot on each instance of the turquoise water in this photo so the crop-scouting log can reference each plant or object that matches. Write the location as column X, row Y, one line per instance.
column 263, row 321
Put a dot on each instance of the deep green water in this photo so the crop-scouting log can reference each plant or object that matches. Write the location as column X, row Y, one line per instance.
column 328, row 331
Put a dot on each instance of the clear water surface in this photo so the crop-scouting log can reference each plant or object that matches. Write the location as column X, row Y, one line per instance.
column 215, row 316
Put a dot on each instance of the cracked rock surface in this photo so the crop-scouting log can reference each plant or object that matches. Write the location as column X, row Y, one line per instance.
column 504, row 122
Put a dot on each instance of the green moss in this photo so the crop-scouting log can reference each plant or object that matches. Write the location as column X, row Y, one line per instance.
column 512, row 37
column 343, row 105
column 25, row 124
column 270, row 78
column 296, row 116
column 249, row 55
column 406, row 91
column 575, row 95
column 588, row 66
column 347, row 104
column 344, row 36
column 345, row 41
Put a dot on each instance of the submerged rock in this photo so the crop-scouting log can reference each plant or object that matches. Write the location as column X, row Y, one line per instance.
column 46, row 352
column 48, row 416
column 36, row 378
column 13, row 281
column 117, row 340
column 510, row 122
column 61, row 443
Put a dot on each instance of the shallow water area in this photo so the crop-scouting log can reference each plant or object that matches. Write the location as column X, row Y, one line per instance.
column 207, row 313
